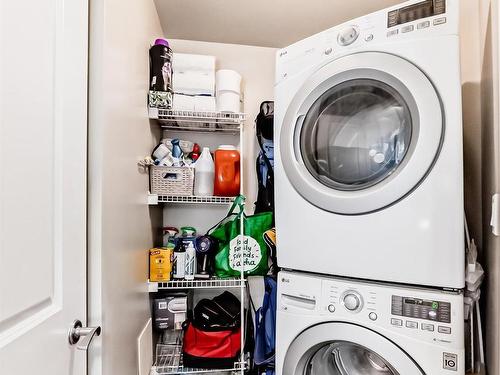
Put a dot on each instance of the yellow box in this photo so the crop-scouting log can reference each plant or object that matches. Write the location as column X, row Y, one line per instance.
column 160, row 264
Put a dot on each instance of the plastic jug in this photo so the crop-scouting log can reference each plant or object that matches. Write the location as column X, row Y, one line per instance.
column 204, row 174
column 227, row 171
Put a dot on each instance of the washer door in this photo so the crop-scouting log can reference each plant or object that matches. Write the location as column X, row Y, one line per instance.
column 361, row 133
column 346, row 349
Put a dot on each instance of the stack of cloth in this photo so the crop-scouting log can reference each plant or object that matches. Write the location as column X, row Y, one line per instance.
column 193, row 82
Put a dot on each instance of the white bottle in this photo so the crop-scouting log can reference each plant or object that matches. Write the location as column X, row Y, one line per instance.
column 190, row 262
column 204, row 173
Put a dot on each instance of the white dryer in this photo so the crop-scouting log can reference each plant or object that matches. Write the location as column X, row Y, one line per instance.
column 328, row 326
column 368, row 135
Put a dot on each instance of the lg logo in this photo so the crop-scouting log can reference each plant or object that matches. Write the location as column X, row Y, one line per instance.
column 450, row 361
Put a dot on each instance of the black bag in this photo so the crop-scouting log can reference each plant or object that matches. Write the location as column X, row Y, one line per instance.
column 212, row 338
column 264, row 124
column 222, row 311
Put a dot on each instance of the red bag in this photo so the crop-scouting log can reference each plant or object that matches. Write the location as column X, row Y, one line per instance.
column 211, row 349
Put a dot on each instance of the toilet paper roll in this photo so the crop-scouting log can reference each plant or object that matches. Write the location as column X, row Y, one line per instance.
column 228, row 101
column 227, row 80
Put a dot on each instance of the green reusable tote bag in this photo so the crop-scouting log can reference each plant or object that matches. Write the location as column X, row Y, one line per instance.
column 230, row 257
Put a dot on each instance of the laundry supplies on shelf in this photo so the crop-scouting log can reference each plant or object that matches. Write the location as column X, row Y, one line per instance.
column 227, row 171
column 204, row 174
column 184, row 255
column 160, row 75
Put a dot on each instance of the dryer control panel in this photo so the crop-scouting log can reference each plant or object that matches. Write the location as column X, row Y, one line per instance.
column 414, row 12
column 409, row 307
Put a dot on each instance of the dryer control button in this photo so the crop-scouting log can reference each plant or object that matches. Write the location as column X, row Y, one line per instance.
column 427, row 327
column 331, row 308
column 397, row 322
column 348, row 36
column 373, row 316
column 410, row 324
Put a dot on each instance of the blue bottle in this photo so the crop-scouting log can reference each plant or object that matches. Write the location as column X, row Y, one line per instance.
column 176, row 152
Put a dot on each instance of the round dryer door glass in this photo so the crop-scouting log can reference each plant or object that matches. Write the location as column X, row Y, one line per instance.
column 345, row 358
column 356, row 134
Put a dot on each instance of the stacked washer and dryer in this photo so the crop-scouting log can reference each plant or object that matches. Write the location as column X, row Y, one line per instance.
column 369, row 196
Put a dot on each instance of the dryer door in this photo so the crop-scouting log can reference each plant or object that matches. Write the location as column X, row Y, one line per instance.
column 346, row 349
column 361, row 133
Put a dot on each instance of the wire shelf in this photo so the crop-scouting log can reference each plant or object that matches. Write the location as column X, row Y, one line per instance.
column 154, row 199
column 169, row 361
column 197, row 284
column 198, row 121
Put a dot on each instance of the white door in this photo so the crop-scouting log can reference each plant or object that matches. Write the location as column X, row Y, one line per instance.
column 43, row 155
column 346, row 349
column 361, row 133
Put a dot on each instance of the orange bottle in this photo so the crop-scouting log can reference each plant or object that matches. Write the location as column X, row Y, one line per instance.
column 227, row 171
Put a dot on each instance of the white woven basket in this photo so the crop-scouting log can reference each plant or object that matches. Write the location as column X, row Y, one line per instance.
column 171, row 180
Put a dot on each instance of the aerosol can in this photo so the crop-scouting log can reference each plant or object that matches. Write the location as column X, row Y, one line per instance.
column 190, row 262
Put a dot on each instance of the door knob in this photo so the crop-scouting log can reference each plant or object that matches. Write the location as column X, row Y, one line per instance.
column 86, row 334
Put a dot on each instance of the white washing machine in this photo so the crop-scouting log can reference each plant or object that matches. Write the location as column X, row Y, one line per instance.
column 368, row 135
column 328, row 326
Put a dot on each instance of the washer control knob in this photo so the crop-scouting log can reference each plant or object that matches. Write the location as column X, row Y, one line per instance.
column 373, row 316
column 352, row 301
column 331, row 308
column 348, row 36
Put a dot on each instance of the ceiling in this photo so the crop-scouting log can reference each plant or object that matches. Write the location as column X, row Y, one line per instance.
column 268, row 23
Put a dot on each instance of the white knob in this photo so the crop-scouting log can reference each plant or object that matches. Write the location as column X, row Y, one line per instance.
column 348, row 36
column 352, row 301
column 331, row 308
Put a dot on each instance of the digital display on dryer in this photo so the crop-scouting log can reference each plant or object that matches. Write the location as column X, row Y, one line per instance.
column 415, row 12
column 409, row 307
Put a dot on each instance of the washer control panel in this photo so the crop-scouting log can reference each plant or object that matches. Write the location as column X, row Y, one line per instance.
column 416, row 308
column 352, row 301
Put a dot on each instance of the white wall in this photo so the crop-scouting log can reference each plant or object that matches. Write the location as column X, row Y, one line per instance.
column 121, row 224
column 471, row 82
column 489, row 48
column 480, row 46
column 256, row 65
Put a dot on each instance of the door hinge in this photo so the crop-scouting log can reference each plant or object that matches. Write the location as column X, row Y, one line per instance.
column 495, row 214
